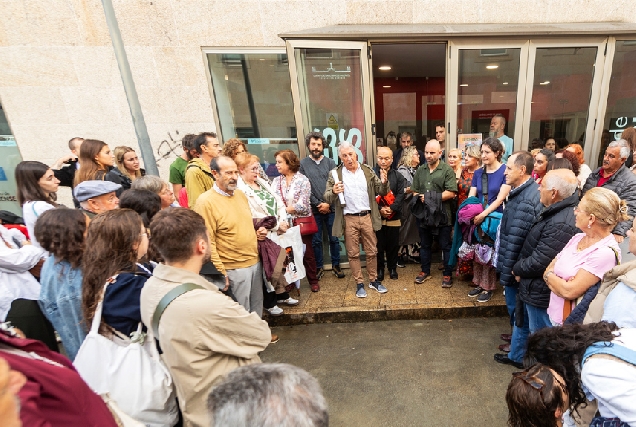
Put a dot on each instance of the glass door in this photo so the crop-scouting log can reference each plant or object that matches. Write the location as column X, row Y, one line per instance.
column 332, row 93
column 487, row 80
column 563, row 92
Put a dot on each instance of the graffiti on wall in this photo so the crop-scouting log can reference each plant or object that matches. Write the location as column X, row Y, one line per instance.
column 334, row 137
column 169, row 148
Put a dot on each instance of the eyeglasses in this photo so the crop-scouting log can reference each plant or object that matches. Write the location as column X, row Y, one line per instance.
column 577, row 210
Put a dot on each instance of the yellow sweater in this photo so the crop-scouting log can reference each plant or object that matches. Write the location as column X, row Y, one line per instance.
column 198, row 180
column 232, row 236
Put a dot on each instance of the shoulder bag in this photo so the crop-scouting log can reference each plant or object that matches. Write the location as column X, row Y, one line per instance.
column 131, row 374
column 307, row 224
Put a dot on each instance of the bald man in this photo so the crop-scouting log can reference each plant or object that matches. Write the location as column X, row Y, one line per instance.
column 435, row 186
column 551, row 231
column 390, row 211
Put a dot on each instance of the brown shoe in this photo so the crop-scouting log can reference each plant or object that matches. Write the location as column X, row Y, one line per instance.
column 504, row 347
column 274, row 339
column 315, row 288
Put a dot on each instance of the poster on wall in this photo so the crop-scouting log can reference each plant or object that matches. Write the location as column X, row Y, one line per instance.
column 466, row 139
column 9, row 159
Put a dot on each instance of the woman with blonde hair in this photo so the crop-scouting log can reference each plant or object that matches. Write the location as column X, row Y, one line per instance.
column 588, row 255
column 127, row 165
column 454, row 160
column 584, row 170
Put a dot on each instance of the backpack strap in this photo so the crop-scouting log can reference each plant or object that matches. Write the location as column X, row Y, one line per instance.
column 484, row 188
column 201, row 169
column 165, row 302
column 613, row 349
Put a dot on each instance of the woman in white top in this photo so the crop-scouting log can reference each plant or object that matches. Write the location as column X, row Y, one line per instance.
column 37, row 188
column 584, row 170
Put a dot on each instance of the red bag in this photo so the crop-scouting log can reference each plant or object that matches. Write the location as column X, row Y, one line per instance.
column 387, row 200
column 307, row 225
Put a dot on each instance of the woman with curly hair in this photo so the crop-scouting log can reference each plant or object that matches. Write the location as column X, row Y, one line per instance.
column 115, row 243
column 585, row 356
column 233, row 147
column 61, row 232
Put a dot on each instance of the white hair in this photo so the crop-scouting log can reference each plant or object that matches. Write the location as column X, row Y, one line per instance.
column 625, row 149
column 555, row 182
column 344, row 144
column 268, row 395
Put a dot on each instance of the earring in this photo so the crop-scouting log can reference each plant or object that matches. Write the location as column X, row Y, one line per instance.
column 589, row 226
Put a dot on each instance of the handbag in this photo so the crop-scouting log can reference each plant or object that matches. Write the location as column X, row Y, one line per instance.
column 131, row 374
column 307, row 224
column 483, row 254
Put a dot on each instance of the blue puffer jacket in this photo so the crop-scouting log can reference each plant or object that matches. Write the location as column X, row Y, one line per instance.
column 521, row 209
column 552, row 230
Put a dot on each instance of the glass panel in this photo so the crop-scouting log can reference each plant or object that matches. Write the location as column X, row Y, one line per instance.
column 410, row 95
column 488, row 83
column 621, row 101
column 561, row 94
column 9, row 159
column 254, row 102
column 330, row 84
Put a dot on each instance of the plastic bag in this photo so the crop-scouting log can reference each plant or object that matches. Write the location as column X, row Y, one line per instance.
column 292, row 242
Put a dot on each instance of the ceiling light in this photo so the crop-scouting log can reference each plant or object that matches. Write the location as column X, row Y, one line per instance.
column 464, row 84
column 384, row 67
column 504, row 83
column 386, row 86
column 547, row 82
column 492, row 67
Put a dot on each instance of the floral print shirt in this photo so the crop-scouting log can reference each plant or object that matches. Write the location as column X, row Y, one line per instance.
column 296, row 194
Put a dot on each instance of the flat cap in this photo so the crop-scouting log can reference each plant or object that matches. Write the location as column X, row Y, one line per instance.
column 89, row 189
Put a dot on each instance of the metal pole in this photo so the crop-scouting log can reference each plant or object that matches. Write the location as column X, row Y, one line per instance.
column 141, row 131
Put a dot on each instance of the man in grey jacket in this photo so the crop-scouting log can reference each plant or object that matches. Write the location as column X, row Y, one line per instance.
column 615, row 176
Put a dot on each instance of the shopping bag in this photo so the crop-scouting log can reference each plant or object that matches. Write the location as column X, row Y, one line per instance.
column 131, row 373
column 291, row 241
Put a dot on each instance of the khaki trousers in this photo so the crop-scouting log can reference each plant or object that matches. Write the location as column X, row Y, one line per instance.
column 359, row 229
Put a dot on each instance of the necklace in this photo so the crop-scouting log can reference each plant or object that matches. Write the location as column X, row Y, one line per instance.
column 586, row 242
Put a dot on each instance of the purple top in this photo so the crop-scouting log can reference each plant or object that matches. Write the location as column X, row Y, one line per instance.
column 495, row 180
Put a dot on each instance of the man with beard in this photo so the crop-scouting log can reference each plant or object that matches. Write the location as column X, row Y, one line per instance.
column 233, row 246
column 203, row 334
column 316, row 168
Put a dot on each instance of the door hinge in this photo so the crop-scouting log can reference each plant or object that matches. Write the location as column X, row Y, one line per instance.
column 372, row 128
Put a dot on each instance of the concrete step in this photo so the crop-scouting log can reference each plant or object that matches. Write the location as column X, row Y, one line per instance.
column 337, row 303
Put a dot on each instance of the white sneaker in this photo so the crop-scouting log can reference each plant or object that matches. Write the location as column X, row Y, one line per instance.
column 275, row 311
column 288, row 301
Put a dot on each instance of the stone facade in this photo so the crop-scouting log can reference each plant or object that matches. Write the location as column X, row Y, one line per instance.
column 60, row 79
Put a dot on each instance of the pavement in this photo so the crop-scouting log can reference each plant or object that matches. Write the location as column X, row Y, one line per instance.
column 336, row 302
column 403, row 373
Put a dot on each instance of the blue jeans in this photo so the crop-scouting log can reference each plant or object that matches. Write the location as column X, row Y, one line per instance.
column 334, row 244
column 534, row 318
column 511, row 302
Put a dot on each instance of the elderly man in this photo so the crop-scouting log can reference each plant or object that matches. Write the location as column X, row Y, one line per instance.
column 615, row 176
column 522, row 207
column 358, row 217
column 390, row 210
column 497, row 126
column 96, row 197
column 435, row 185
column 406, row 140
column 551, row 231
column 233, row 245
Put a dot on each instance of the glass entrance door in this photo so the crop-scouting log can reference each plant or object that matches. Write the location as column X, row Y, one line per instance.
column 332, row 93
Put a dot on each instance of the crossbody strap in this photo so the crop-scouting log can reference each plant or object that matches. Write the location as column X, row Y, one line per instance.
column 201, row 169
column 165, row 302
column 613, row 349
column 484, row 188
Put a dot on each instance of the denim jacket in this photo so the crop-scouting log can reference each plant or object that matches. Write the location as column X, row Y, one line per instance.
column 61, row 302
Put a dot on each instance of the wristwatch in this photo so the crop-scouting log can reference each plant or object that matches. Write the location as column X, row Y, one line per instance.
column 546, row 275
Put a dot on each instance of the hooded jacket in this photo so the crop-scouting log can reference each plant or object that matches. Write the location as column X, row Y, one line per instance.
column 522, row 207
column 550, row 232
column 623, row 183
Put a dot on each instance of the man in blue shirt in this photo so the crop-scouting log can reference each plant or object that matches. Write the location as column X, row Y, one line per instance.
column 497, row 125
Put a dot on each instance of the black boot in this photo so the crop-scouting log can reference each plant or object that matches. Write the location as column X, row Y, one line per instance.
column 380, row 275
column 393, row 273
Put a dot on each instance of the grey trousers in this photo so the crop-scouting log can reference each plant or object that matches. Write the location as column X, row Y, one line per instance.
column 247, row 286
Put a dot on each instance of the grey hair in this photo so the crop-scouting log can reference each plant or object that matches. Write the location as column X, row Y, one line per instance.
column 148, row 182
column 564, row 189
column 503, row 119
column 474, row 150
column 625, row 149
column 268, row 395
column 344, row 144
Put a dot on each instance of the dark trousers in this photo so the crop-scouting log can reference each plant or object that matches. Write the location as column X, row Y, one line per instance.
column 325, row 221
column 445, row 243
column 309, row 260
column 388, row 242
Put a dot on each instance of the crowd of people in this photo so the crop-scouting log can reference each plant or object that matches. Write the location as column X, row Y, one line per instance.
column 186, row 281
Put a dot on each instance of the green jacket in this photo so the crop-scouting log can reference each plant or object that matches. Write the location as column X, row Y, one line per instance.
column 374, row 187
